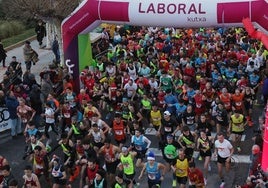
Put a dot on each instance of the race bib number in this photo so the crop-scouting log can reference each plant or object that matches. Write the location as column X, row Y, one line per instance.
column 126, row 165
column 238, row 103
column 169, row 156
column 67, row 115
column 39, row 166
column 190, row 122
column 198, row 105
column 219, row 118
column 139, row 148
column 165, row 83
column 209, row 100
column 179, row 171
column 119, row 132
column 151, row 176
column 167, row 129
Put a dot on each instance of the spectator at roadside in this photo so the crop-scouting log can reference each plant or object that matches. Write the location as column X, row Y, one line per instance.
column 36, row 104
column 16, row 66
column 55, row 50
column 14, row 121
column 40, row 32
column 28, row 53
column 46, row 87
column 3, row 54
column 256, row 160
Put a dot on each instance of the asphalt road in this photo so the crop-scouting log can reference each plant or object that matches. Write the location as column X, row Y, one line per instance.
column 13, row 150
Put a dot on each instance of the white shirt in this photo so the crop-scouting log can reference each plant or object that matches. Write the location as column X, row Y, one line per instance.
column 153, row 84
column 224, row 148
column 130, row 89
column 49, row 112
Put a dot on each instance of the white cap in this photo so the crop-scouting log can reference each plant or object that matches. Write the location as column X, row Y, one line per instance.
column 167, row 113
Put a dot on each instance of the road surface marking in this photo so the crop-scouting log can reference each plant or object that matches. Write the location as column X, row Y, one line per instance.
column 237, row 158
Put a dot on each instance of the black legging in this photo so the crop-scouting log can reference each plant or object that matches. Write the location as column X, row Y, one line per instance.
column 53, row 129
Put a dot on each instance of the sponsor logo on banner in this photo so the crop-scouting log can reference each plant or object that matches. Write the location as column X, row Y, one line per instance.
column 4, row 117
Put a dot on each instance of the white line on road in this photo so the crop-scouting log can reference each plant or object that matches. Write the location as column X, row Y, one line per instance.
column 237, row 158
column 152, row 131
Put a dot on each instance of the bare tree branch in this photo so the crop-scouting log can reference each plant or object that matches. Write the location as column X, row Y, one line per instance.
column 43, row 9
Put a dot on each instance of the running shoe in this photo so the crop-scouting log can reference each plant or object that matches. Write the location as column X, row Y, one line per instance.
column 205, row 181
column 222, row 184
column 174, row 183
column 209, row 167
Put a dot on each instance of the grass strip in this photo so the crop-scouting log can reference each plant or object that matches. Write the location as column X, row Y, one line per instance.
column 17, row 38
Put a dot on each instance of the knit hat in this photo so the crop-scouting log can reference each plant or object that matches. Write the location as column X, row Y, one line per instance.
column 120, row 175
column 124, row 149
column 101, row 173
column 151, row 156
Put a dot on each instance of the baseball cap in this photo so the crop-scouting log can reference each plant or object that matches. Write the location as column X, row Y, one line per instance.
column 117, row 115
column 169, row 136
column 167, row 113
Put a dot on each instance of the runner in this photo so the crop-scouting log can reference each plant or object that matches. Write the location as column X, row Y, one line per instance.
column 237, row 128
column 127, row 165
column 140, row 144
column 110, row 153
column 58, row 173
column 196, row 178
column 155, row 171
column 119, row 129
column 223, row 151
column 187, row 141
column 180, row 168
column 204, row 145
column 170, row 153
column 30, row 179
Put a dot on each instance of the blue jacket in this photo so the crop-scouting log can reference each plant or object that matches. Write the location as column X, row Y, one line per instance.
column 12, row 103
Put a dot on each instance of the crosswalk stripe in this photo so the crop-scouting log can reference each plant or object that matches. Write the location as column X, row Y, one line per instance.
column 152, row 131
column 237, row 158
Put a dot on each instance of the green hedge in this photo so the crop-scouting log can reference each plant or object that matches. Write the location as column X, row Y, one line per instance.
column 10, row 28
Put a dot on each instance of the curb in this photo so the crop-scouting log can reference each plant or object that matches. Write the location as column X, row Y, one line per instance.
column 18, row 44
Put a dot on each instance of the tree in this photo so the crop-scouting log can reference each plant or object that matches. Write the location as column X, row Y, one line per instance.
column 44, row 9
column 50, row 11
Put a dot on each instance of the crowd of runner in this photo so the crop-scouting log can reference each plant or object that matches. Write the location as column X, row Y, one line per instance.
column 185, row 84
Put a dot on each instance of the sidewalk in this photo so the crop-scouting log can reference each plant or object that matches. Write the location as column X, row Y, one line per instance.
column 45, row 56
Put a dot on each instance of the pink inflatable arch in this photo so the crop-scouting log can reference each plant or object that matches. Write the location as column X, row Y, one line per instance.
column 169, row 13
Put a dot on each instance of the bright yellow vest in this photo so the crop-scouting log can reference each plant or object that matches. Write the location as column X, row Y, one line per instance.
column 181, row 168
column 156, row 115
column 237, row 123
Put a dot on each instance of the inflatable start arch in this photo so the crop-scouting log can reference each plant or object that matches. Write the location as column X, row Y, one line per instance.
column 166, row 13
